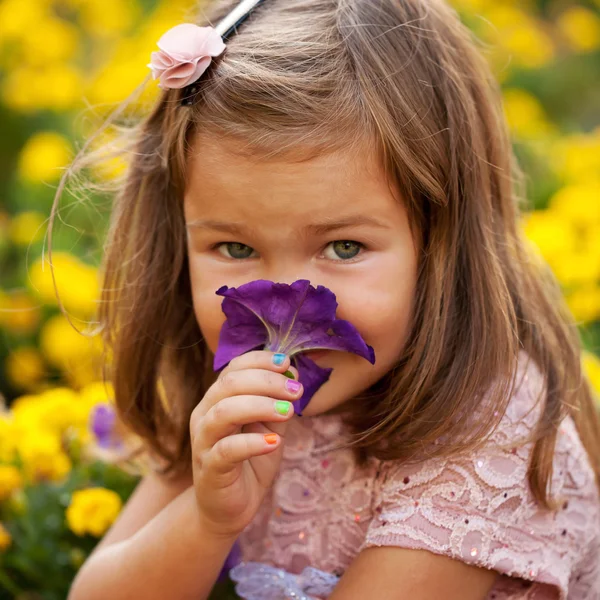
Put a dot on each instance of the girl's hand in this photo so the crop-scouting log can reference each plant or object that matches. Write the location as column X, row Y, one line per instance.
column 236, row 436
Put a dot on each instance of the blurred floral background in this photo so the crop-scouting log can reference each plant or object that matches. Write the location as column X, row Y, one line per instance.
column 63, row 65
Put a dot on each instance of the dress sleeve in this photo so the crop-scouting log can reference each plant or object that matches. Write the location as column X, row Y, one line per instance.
column 478, row 508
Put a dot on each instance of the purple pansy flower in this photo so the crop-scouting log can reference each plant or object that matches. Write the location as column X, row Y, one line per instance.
column 102, row 423
column 291, row 319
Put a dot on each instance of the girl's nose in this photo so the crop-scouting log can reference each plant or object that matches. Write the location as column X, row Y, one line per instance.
column 287, row 269
column 285, row 273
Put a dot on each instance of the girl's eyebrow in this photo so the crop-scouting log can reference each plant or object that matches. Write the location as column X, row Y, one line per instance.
column 238, row 228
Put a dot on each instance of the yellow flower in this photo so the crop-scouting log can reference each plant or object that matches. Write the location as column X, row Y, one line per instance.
column 77, row 355
column 579, row 268
column 61, row 344
column 58, row 415
column 43, row 457
column 5, row 538
column 54, row 410
column 519, row 35
column 581, row 27
column 550, row 234
column 18, row 313
column 591, row 366
column 475, row 6
column 525, row 114
column 107, row 18
column 43, row 156
column 78, row 283
column 10, row 480
column 17, row 16
column 576, row 158
column 584, row 303
column 96, row 392
column 55, row 87
column 470, row 6
column 571, row 249
column 530, row 46
column 111, row 156
column 27, row 228
column 579, row 204
column 58, row 39
column 9, row 434
column 93, row 511
column 25, row 368
column 113, row 81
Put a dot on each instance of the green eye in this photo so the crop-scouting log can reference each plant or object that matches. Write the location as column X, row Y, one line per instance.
column 235, row 250
column 347, row 248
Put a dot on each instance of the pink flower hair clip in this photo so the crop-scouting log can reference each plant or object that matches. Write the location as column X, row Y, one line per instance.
column 186, row 51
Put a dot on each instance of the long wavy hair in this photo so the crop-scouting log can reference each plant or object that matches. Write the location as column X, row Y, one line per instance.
column 308, row 77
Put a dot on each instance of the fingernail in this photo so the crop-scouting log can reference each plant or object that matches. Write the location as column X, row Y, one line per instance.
column 271, row 438
column 278, row 358
column 282, row 407
column 293, row 386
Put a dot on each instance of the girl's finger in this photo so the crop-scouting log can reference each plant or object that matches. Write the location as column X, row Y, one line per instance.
column 259, row 382
column 260, row 359
column 232, row 450
column 228, row 415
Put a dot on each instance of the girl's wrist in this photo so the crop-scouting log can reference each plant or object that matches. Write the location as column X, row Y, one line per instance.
column 209, row 530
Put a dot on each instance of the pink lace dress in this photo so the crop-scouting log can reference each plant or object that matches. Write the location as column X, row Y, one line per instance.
column 323, row 510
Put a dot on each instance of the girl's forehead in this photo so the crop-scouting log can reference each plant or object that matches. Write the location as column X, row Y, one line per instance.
column 218, row 173
column 220, row 155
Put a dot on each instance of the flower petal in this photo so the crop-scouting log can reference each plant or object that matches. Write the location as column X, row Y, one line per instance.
column 178, row 76
column 292, row 319
column 161, row 60
column 187, row 41
column 341, row 335
column 242, row 331
column 263, row 299
column 311, row 376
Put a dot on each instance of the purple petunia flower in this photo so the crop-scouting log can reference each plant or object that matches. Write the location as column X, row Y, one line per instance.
column 102, row 423
column 291, row 319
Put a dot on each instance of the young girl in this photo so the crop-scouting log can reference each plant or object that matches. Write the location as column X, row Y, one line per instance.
column 359, row 145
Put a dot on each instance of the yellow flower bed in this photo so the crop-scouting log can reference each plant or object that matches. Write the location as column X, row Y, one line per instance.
column 93, row 511
column 58, row 57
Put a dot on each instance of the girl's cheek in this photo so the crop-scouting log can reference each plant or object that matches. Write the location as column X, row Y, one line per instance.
column 209, row 316
column 382, row 319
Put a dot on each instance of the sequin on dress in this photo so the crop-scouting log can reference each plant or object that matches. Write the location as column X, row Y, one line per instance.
column 322, row 510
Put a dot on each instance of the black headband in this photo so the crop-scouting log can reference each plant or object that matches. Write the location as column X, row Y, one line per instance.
column 226, row 28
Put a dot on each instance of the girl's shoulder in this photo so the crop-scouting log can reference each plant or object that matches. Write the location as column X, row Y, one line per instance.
column 478, row 507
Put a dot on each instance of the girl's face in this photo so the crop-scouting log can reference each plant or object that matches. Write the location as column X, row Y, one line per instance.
column 333, row 220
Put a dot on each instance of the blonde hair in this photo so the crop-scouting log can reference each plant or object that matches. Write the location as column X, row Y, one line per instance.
column 406, row 79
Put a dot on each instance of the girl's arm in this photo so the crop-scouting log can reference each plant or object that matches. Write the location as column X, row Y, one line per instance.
column 399, row 573
column 150, row 496
column 171, row 556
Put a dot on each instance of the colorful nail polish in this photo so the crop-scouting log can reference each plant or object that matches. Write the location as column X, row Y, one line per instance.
column 282, row 407
column 270, row 438
column 278, row 358
column 293, row 386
